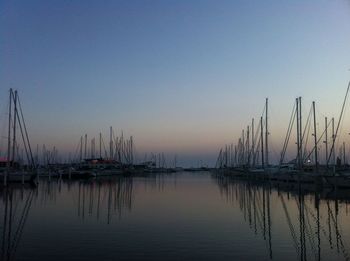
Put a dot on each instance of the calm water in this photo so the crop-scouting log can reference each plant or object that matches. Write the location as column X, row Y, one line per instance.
column 173, row 217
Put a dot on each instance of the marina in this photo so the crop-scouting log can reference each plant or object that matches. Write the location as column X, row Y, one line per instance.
column 174, row 130
column 250, row 157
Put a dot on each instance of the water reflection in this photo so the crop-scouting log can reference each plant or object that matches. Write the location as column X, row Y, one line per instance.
column 16, row 204
column 179, row 216
column 96, row 198
column 316, row 219
column 111, row 196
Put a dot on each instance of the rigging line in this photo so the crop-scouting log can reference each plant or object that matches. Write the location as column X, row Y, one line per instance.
column 20, row 222
column 306, row 142
column 338, row 235
column 289, row 130
column 291, row 227
column 309, row 211
column 340, row 117
column 343, row 122
column 307, row 123
column 318, row 141
column 256, row 137
column 25, row 129
column 306, row 131
column 24, row 143
column 259, row 210
column 309, row 232
column 23, row 223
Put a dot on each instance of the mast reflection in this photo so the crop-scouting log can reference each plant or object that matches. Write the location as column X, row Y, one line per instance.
column 15, row 205
column 313, row 217
column 105, row 197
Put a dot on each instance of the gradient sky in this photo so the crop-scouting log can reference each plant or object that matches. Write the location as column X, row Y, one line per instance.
column 182, row 77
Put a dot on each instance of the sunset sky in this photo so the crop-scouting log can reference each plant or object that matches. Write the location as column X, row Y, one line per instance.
column 181, row 77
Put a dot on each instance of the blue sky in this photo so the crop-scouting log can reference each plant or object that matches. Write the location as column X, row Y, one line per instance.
column 182, row 77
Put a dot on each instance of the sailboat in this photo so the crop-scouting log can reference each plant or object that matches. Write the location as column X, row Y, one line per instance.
column 336, row 176
column 14, row 171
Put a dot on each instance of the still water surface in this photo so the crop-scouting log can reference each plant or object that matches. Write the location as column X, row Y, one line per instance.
column 183, row 216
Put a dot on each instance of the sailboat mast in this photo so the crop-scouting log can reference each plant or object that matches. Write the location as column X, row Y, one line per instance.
column 344, row 154
column 248, row 147
column 262, row 142
column 315, row 135
column 235, row 159
column 81, row 149
column 253, row 144
column 131, row 150
column 110, row 143
column 100, row 145
column 301, row 135
column 14, row 126
column 226, row 156
column 92, row 148
column 266, row 134
column 326, row 139
column 340, row 118
column 298, row 136
column 243, row 148
column 85, row 148
column 333, row 141
column 8, row 142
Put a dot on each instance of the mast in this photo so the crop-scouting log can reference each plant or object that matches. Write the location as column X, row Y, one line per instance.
column 266, row 134
column 344, row 153
column 326, row 139
column 340, row 118
column 243, row 148
column 100, row 145
column 8, row 142
column 226, row 156
column 85, row 149
column 298, row 137
column 26, row 143
column 14, row 126
column 253, row 143
column 110, row 143
column 122, row 147
column 131, row 150
column 92, row 148
column 333, row 141
column 235, row 159
column 230, row 154
column 262, row 142
column 301, row 161
column 248, row 147
column 81, row 149
column 315, row 135
column 159, row 160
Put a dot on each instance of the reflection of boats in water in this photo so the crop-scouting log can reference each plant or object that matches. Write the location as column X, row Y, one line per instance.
column 105, row 196
column 313, row 218
column 16, row 204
